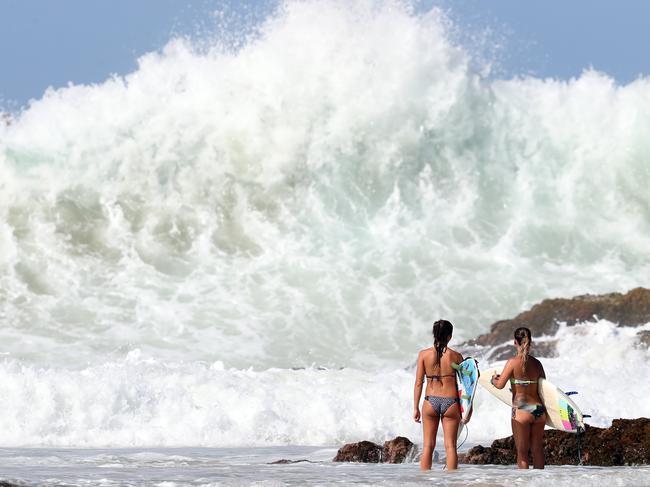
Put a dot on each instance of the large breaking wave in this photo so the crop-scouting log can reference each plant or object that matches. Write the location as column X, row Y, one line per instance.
column 313, row 198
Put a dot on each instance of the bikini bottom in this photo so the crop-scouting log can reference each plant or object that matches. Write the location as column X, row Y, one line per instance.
column 441, row 404
column 537, row 410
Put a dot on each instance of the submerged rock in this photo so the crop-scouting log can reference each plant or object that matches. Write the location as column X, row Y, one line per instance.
column 284, row 461
column 393, row 451
column 397, row 450
column 543, row 319
column 626, row 442
column 363, row 451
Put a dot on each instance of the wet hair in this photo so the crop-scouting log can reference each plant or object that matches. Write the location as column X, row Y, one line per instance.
column 442, row 330
column 523, row 339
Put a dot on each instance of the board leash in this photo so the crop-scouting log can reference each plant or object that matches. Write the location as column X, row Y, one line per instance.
column 464, row 440
column 579, row 434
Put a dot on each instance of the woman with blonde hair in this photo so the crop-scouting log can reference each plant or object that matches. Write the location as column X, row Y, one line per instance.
column 523, row 371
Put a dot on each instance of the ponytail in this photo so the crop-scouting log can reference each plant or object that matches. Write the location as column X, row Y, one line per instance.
column 442, row 330
column 523, row 338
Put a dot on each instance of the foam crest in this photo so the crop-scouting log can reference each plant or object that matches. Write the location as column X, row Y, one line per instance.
column 143, row 402
column 317, row 196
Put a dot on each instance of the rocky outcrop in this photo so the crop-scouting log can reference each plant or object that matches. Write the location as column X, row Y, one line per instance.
column 397, row 450
column 543, row 319
column 626, row 442
column 363, row 451
column 284, row 461
column 393, row 451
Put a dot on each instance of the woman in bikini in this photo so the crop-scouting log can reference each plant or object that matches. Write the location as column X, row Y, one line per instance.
column 441, row 398
column 528, row 414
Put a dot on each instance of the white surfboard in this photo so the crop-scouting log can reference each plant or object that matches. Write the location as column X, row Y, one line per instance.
column 561, row 412
column 467, row 376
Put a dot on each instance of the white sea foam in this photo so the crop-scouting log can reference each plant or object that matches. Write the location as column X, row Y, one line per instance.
column 315, row 198
column 143, row 402
column 318, row 196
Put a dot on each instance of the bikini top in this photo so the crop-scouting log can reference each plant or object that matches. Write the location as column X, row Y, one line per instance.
column 521, row 382
column 439, row 377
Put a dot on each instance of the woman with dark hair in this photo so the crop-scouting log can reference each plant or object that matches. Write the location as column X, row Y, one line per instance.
column 441, row 397
column 528, row 413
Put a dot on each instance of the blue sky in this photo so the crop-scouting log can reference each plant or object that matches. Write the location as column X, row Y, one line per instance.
column 50, row 43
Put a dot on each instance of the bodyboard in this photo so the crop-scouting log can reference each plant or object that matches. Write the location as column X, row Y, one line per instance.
column 467, row 377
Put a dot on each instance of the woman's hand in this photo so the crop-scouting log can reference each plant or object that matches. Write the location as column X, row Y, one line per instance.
column 416, row 415
column 469, row 416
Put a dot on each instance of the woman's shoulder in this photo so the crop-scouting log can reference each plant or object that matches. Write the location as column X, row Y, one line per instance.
column 454, row 355
column 424, row 351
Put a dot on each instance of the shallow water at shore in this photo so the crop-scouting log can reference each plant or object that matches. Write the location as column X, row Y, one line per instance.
column 174, row 467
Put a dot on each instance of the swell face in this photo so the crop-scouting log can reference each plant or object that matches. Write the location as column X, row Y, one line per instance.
column 319, row 196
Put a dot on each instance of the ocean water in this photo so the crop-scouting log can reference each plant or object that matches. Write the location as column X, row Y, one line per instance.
column 244, row 247
column 207, row 467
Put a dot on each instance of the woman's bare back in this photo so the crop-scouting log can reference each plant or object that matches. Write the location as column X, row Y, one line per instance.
column 441, row 377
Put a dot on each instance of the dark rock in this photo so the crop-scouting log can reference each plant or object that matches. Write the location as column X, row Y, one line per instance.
column 626, row 442
column 394, row 451
column 644, row 338
column 364, row 451
column 397, row 450
column 543, row 319
column 284, row 461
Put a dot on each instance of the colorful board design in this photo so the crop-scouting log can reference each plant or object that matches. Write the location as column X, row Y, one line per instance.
column 561, row 412
column 467, row 376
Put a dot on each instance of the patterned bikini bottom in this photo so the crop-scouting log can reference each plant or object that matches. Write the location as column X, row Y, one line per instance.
column 441, row 404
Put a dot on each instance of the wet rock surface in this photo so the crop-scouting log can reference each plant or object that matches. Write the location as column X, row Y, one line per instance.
column 393, row 451
column 397, row 450
column 284, row 461
column 626, row 442
column 543, row 319
column 363, row 451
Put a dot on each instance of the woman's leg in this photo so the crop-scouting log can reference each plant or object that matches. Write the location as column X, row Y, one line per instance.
column 521, row 432
column 537, row 441
column 429, row 430
column 450, row 423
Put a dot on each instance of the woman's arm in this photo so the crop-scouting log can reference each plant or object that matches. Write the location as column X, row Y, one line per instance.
column 542, row 374
column 500, row 380
column 417, row 390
